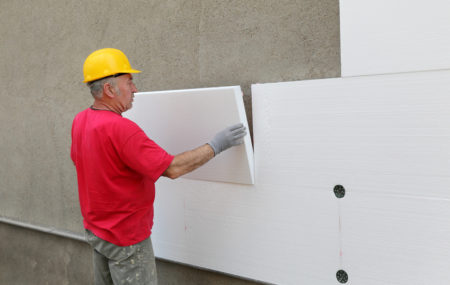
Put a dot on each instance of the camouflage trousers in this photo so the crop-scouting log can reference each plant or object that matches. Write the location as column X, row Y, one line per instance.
column 117, row 265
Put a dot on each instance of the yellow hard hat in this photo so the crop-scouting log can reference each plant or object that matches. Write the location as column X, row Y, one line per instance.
column 106, row 62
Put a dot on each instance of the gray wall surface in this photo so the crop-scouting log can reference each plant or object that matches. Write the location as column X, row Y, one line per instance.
column 35, row 258
column 177, row 44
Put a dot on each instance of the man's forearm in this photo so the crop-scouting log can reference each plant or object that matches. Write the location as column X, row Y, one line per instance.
column 189, row 161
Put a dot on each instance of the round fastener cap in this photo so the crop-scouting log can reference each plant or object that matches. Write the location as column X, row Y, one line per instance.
column 342, row 276
column 339, row 191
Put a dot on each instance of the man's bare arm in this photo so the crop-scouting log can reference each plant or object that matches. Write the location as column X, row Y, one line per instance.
column 189, row 161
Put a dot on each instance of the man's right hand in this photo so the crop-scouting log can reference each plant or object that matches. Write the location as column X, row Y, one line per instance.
column 230, row 136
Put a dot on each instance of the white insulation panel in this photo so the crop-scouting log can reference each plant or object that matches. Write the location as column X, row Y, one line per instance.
column 181, row 120
column 384, row 138
column 385, row 36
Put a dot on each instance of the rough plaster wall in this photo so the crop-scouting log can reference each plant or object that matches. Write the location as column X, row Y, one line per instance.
column 33, row 258
column 177, row 44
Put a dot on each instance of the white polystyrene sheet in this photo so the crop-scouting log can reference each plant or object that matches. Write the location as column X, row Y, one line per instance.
column 282, row 233
column 385, row 36
column 386, row 140
column 181, row 120
column 395, row 238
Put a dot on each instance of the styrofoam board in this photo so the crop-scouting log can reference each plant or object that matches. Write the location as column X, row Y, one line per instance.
column 180, row 120
column 385, row 138
column 280, row 235
column 385, row 36
column 397, row 239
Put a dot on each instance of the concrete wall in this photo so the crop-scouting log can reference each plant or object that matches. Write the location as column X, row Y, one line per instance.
column 33, row 257
column 177, row 44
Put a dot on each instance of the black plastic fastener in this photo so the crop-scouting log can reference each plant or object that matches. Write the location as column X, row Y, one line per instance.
column 339, row 191
column 342, row 276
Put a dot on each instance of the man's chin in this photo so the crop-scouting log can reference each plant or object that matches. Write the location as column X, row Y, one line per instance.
column 130, row 106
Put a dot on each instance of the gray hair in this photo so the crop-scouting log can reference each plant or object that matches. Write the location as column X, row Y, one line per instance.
column 97, row 85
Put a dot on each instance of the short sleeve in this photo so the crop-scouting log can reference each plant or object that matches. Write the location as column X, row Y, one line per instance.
column 145, row 156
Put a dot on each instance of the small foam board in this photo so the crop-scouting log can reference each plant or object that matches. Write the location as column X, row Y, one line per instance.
column 181, row 120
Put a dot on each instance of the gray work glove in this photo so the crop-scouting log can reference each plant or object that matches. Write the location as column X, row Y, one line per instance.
column 227, row 138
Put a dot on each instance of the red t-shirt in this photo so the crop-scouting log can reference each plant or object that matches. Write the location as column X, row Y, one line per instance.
column 117, row 167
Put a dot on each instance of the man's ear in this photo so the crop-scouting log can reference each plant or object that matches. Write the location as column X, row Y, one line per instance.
column 109, row 90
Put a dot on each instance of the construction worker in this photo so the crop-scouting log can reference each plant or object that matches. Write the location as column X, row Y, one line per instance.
column 117, row 167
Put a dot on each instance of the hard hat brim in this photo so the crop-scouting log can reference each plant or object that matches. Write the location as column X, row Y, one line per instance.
column 124, row 72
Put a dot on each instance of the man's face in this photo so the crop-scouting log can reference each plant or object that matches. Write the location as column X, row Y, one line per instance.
column 125, row 91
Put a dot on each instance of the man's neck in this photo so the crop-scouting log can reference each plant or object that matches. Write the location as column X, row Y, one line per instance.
column 98, row 105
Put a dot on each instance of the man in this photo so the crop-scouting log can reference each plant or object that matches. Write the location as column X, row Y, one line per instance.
column 117, row 167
